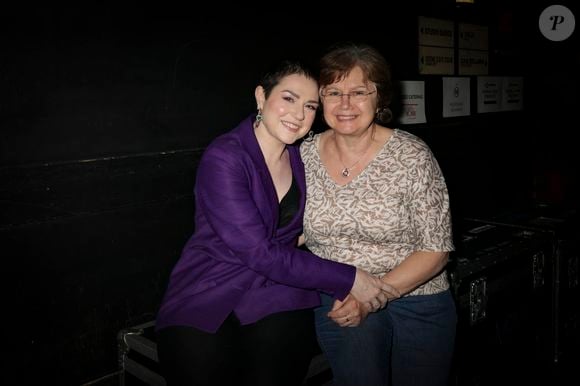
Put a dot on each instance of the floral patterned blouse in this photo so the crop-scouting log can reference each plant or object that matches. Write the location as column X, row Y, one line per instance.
column 397, row 205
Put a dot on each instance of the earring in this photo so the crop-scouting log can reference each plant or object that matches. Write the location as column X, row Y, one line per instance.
column 310, row 136
column 259, row 118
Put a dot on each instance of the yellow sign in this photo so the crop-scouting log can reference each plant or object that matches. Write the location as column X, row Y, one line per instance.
column 436, row 60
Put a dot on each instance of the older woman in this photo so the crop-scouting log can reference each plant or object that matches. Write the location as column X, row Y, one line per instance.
column 376, row 199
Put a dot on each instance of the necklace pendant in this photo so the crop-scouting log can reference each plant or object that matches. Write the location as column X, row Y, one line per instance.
column 345, row 172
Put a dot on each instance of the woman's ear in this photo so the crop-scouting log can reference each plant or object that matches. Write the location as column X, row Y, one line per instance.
column 260, row 97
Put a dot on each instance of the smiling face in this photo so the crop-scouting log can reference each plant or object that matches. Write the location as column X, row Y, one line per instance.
column 350, row 114
column 290, row 108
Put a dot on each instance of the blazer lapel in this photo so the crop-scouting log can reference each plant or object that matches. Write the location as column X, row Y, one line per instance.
column 268, row 204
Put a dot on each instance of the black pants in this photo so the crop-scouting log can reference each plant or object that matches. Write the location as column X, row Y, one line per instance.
column 274, row 351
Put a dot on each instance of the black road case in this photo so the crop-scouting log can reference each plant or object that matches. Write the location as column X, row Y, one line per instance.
column 562, row 225
column 138, row 356
column 501, row 279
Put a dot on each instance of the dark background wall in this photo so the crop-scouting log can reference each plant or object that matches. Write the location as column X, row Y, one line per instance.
column 105, row 110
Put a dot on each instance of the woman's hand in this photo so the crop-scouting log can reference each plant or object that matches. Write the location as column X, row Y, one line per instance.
column 351, row 312
column 371, row 291
column 348, row 313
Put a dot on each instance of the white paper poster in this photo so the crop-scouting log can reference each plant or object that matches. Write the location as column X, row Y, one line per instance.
column 456, row 97
column 489, row 93
column 512, row 97
column 413, row 102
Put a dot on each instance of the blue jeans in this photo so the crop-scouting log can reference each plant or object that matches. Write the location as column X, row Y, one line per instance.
column 410, row 342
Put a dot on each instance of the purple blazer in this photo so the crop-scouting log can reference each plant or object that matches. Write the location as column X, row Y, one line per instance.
column 237, row 260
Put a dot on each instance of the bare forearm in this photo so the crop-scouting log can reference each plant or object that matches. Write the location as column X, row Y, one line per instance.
column 416, row 270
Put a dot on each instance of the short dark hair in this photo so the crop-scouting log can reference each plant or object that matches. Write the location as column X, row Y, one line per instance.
column 282, row 69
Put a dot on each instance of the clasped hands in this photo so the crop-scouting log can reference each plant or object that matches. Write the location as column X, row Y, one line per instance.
column 368, row 294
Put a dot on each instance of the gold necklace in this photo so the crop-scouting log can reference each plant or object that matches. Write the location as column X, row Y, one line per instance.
column 346, row 170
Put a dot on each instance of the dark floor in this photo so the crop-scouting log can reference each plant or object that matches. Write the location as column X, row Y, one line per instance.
column 531, row 375
column 562, row 374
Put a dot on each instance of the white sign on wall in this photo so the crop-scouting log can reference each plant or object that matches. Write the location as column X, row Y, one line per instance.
column 456, row 97
column 413, row 102
column 488, row 94
column 499, row 93
column 512, row 97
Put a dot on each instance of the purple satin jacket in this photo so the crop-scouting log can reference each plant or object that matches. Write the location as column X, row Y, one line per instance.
column 237, row 259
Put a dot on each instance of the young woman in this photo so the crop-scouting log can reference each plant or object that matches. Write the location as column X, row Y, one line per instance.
column 238, row 308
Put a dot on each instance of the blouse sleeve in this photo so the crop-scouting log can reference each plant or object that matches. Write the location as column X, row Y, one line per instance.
column 430, row 204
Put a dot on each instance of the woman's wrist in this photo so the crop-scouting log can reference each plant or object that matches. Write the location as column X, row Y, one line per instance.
column 392, row 295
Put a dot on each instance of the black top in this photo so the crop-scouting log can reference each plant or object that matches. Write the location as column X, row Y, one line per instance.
column 289, row 205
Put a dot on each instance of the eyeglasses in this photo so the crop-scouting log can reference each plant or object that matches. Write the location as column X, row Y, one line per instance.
column 335, row 96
